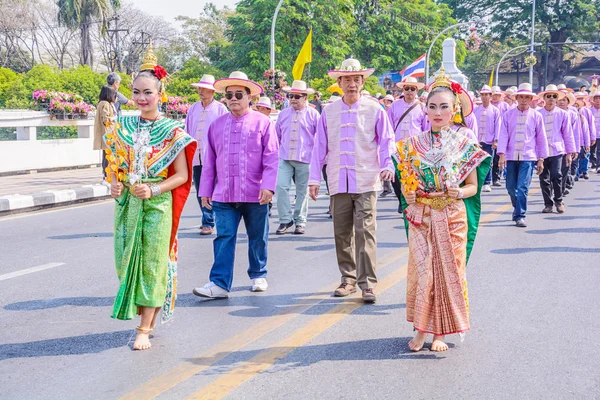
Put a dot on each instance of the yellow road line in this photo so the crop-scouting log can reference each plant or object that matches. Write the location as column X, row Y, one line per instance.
column 187, row 369
column 224, row 385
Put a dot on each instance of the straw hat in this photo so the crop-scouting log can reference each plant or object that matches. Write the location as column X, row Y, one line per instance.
column 206, row 82
column 552, row 89
column 524, row 89
column 580, row 95
column 238, row 78
column 562, row 86
column 570, row 96
column 298, row 87
column 497, row 90
column 350, row 67
column 510, row 91
column 410, row 81
column 264, row 102
column 485, row 89
column 365, row 93
column 389, row 97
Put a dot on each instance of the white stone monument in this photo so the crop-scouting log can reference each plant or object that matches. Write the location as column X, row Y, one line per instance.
column 449, row 64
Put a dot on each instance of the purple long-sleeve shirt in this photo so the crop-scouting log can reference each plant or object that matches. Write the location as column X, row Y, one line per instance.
column 347, row 161
column 591, row 120
column 489, row 122
column 241, row 158
column 577, row 126
column 414, row 123
column 198, row 120
column 559, row 132
column 522, row 136
column 502, row 106
column 296, row 133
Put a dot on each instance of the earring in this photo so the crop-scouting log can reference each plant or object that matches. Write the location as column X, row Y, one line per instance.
column 457, row 116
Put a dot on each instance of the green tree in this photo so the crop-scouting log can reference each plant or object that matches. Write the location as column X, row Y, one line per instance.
column 82, row 15
column 84, row 82
column 556, row 21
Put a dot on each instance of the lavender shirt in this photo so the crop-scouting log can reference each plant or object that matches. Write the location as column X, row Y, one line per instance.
column 558, row 131
column 522, row 136
column 591, row 120
column 296, row 133
column 197, row 122
column 577, row 126
column 502, row 106
column 489, row 122
column 241, row 158
column 414, row 123
column 384, row 137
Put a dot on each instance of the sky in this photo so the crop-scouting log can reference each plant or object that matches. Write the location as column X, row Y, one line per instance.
column 169, row 9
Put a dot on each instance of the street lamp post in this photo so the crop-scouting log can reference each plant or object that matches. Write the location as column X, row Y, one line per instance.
column 510, row 51
column 531, row 51
column 436, row 38
column 272, row 64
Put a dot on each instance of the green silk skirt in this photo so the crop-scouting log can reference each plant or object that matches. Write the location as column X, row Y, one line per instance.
column 142, row 236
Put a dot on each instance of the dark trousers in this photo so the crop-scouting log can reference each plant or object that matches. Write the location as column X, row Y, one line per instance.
column 256, row 221
column 564, row 171
column 325, row 176
column 495, row 170
column 551, row 181
column 104, row 163
column 488, row 148
column 397, row 192
column 208, row 216
column 594, row 155
column 518, row 180
column 573, row 172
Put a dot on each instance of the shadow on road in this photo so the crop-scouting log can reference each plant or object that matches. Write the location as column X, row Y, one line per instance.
column 545, row 250
column 572, row 217
column 82, row 236
column 44, row 304
column 562, row 230
column 74, row 345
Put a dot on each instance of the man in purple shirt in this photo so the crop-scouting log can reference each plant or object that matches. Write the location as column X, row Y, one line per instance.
column 561, row 146
column 595, row 109
column 199, row 118
column 488, row 122
column 497, row 95
column 238, row 181
column 567, row 103
column 521, row 145
column 295, row 127
column 356, row 137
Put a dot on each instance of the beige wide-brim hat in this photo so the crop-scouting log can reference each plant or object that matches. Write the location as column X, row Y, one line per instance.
column 264, row 102
column 524, row 90
column 238, row 78
column 206, row 82
column 497, row 90
column 486, row 89
column 350, row 67
column 389, row 97
column 562, row 86
column 581, row 95
column 298, row 87
column 552, row 89
column 411, row 81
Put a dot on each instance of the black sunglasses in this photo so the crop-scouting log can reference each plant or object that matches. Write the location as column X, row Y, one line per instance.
column 552, row 96
column 295, row 96
column 410, row 89
column 238, row 95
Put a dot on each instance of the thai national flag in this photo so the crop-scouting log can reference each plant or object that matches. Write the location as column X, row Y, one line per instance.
column 416, row 69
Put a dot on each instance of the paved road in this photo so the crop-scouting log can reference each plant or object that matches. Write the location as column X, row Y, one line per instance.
column 43, row 181
column 534, row 300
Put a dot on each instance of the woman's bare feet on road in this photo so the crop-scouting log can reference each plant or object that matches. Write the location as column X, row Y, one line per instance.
column 418, row 341
column 438, row 343
column 142, row 340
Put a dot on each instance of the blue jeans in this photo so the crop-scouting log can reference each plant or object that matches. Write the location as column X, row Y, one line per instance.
column 518, row 180
column 584, row 159
column 208, row 216
column 256, row 220
column 488, row 149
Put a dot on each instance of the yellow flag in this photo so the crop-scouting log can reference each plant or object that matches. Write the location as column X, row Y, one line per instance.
column 491, row 78
column 304, row 57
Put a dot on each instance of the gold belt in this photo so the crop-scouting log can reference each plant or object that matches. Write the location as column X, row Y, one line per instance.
column 437, row 203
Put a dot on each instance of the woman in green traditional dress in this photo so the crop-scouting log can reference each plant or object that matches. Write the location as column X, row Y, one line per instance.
column 150, row 170
column 441, row 172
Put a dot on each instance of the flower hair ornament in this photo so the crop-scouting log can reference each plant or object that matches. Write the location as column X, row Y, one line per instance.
column 464, row 104
column 150, row 63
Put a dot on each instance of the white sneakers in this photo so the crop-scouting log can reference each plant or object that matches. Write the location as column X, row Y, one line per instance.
column 486, row 188
column 212, row 291
column 260, row 285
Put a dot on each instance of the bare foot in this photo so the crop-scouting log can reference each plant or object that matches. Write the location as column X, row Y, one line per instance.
column 418, row 341
column 142, row 340
column 438, row 343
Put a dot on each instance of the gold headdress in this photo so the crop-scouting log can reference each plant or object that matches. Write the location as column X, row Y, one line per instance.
column 150, row 63
column 463, row 101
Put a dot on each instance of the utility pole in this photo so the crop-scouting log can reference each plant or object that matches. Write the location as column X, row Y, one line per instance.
column 114, row 36
column 144, row 42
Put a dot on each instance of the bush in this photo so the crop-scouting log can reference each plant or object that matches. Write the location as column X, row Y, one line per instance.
column 8, row 134
column 84, row 82
column 57, row 132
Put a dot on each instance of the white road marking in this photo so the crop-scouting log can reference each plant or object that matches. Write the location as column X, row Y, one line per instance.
column 29, row 270
column 61, row 209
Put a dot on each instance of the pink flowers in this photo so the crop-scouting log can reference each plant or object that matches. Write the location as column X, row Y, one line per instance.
column 177, row 107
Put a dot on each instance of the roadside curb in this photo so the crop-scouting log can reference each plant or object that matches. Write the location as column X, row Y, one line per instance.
column 51, row 198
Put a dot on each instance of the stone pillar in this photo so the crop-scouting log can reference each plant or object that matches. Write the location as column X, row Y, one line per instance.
column 449, row 63
column 85, row 131
column 26, row 133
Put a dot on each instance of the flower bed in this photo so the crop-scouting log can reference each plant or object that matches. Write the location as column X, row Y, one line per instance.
column 62, row 105
column 176, row 107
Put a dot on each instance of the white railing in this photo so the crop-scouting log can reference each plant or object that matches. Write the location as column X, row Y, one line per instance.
column 27, row 153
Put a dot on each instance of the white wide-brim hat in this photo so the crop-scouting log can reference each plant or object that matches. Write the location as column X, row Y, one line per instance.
column 581, row 95
column 497, row 90
column 206, row 82
column 411, row 81
column 570, row 96
column 552, row 89
column 389, row 97
column 264, row 102
column 524, row 90
column 298, row 87
column 238, row 78
column 486, row 89
column 350, row 67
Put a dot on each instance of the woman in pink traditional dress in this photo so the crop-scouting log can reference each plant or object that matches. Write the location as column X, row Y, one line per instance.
column 442, row 172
